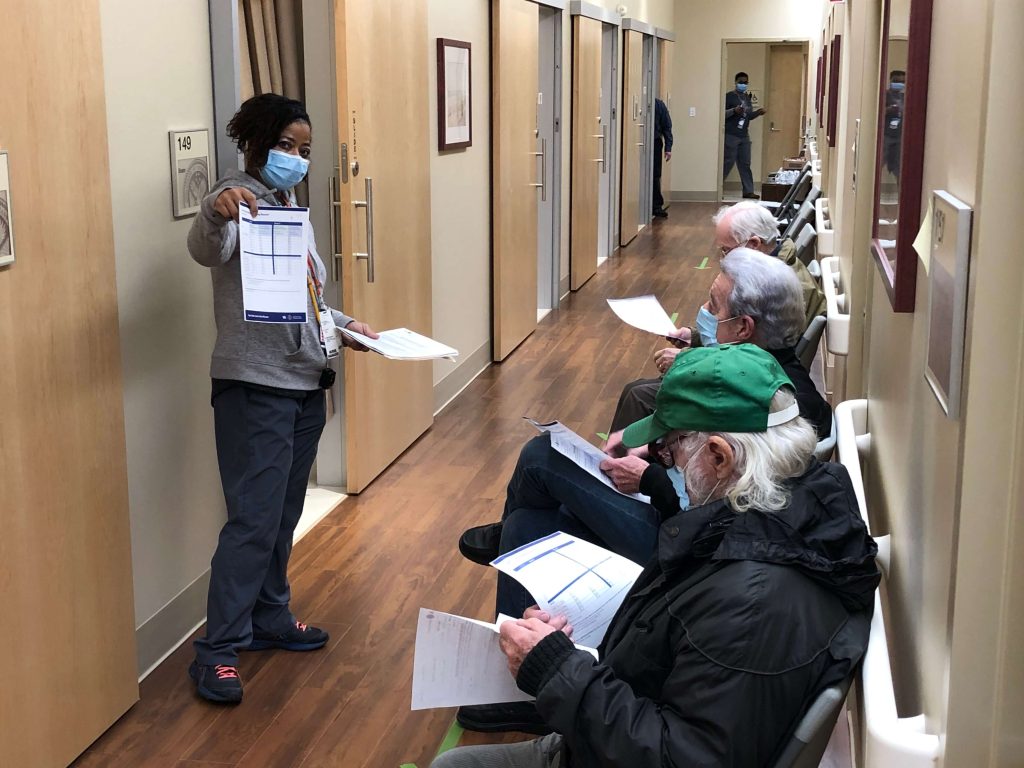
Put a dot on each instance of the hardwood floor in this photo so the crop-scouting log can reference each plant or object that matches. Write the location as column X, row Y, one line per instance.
column 364, row 572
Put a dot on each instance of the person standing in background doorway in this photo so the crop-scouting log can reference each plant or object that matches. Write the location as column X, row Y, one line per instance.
column 892, row 136
column 662, row 146
column 739, row 112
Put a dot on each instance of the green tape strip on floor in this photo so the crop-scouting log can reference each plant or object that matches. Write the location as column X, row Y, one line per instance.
column 450, row 741
column 602, row 435
column 674, row 318
column 703, row 264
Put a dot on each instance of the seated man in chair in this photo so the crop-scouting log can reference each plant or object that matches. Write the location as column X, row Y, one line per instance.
column 759, row 596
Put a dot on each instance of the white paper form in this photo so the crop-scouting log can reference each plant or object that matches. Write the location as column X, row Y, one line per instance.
column 458, row 662
column 645, row 313
column 403, row 344
column 573, row 578
column 273, row 249
column 582, row 453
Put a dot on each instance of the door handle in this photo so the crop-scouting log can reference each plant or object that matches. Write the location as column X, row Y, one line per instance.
column 368, row 205
column 604, row 140
column 333, row 204
column 543, row 155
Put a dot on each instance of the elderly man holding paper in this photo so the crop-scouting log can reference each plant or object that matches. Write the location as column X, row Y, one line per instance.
column 760, row 596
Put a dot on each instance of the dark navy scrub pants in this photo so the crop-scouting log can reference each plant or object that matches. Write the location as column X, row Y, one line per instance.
column 266, row 444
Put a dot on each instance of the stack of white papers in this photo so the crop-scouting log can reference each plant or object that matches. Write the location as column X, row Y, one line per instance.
column 273, row 248
column 403, row 344
column 578, row 450
column 645, row 313
column 459, row 661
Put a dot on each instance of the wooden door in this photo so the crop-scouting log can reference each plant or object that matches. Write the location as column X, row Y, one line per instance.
column 516, row 163
column 665, row 48
column 381, row 56
column 68, row 661
column 589, row 148
column 633, row 136
column 784, row 105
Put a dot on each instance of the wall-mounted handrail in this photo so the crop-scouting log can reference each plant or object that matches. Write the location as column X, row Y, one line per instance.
column 823, row 226
column 837, row 332
column 890, row 741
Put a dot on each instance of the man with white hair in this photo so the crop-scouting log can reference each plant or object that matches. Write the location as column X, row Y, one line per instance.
column 759, row 597
column 750, row 225
column 754, row 299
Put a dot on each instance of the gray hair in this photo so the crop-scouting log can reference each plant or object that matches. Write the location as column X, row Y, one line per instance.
column 748, row 219
column 764, row 461
column 767, row 290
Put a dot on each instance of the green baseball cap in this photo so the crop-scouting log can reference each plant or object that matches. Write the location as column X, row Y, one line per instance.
column 728, row 388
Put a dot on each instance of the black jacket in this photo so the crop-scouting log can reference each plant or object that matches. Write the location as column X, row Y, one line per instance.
column 733, row 121
column 655, row 483
column 733, row 628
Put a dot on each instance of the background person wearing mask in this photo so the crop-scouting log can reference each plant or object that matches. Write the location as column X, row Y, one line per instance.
column 892, row 136
column 268, row 404
column 739, row 112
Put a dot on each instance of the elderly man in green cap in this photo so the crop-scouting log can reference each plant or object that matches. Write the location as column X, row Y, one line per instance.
column 759, row 595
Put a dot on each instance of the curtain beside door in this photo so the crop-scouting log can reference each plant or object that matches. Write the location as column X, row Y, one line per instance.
column 270, row 48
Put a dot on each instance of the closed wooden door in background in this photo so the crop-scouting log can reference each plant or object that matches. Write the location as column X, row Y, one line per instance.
column 785, row 105
column 589, row 147
column 68, row 661
column 516, row 172
column 633, row 136
column 381, row 56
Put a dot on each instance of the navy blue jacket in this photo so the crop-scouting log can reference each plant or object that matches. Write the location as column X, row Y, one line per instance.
column 662, row 124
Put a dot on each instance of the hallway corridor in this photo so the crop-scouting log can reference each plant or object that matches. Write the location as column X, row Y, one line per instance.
column 364, row 572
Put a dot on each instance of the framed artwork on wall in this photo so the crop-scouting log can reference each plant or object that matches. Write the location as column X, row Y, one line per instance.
column 190, row 170
column 454, row 95
column 835, row 61
column 6, row 225
column 902, row 110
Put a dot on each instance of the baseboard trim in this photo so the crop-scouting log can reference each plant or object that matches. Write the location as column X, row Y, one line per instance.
column 174, row 624
column 563, row 287
column 177, row 621
column 694, row 196
column 448, row 388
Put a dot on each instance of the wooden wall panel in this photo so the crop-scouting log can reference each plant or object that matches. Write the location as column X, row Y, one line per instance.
column 516, row 169
column 633, row 136
column 68, row 661
column 589, row 148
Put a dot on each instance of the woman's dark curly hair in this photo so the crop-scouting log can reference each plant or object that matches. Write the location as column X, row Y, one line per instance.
column 258, row 123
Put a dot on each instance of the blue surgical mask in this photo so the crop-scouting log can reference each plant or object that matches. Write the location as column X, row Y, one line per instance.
column 284, row 170
column 897, row 86
column 707, row 326
column 741, row 87
column 675, row 474
column 678, row 478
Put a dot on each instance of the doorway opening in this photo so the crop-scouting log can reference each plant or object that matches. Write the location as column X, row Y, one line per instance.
column 777, row 74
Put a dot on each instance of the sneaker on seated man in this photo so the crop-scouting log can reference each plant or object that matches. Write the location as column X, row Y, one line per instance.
column 759, row 598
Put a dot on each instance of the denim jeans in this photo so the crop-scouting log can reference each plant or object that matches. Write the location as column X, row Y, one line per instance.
column 547, row 493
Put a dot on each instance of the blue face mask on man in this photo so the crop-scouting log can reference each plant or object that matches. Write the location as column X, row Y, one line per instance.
column 678, row 478
column 741, row 87
column 284, row 170
column 707, row 327
column 897, row 86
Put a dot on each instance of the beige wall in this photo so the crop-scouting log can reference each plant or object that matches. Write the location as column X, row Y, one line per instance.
column 701, row 26
column 157, row 78
column 948, row 491
column 460, row 204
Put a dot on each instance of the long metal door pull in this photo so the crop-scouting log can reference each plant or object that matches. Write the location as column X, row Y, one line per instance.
column 333, row 204
column 543, row 155
column 368, row 205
